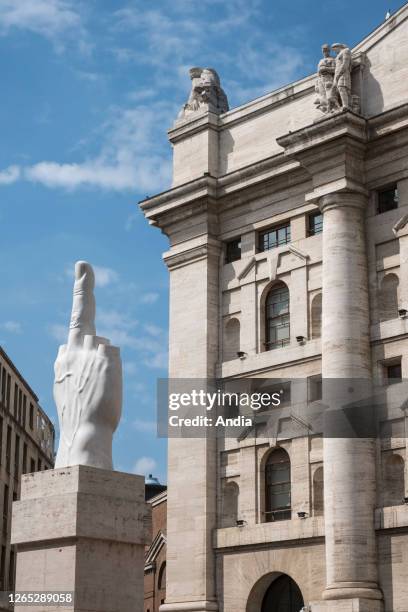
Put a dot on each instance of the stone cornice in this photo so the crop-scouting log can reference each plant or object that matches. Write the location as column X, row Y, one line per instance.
column 325, row 144
column 388, row 122
column 193, row 125
column 182, row 194
column 177, row 259
column 336, row 126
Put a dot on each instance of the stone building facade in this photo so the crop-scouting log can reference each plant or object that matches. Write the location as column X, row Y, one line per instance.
column 288, row 258
column 26, row 445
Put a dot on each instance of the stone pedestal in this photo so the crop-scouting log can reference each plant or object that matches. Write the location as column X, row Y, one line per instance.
column 82, row 529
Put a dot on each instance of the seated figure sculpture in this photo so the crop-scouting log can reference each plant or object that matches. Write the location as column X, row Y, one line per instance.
column 206, row 94
column 88, row 384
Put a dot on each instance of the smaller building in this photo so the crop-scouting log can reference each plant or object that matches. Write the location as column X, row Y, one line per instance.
column 26, row 445
column 155, row 559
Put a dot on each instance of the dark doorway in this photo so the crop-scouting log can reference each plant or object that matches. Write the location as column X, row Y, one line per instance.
column 283, row 596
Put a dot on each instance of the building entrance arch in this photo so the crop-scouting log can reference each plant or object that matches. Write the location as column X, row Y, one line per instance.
column 275, row 592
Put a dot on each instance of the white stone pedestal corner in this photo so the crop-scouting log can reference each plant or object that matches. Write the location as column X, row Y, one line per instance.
column 81, row 529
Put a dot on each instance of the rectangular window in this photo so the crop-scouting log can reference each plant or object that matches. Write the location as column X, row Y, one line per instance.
column 15, row 402
column 25, row 458
column 24, row 411
column 274, row 237
column 1, row 439
column 39, row 465
column 314, row 388
column 392, row 372
column 8, row 449
column 20, row 405
column 17, row 457
column 8, row 391
column 3, row 384
column 3, row 569
column 315, row 224
column 31, row 416
column 387, row 199
column 5, row 508
column 11, row 571
column 32, row 465
column 233, row 250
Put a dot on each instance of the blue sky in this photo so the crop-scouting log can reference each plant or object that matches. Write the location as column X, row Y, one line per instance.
column 88, row 90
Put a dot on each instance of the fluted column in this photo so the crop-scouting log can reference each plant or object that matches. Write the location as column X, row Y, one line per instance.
column 349, row 463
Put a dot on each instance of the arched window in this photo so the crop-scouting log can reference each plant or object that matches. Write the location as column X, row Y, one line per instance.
column 388, row 297
column 230, row 505
column 161, row 581
column 231, row 339
column 277, row 328
column 277, row 486
column 318, row 492
column 393, row 480
column 283, row 595
column 316, row 316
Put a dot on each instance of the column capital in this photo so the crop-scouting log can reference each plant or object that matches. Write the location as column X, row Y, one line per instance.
column 342, row 199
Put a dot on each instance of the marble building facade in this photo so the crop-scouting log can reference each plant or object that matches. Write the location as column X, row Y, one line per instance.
column 287, row 223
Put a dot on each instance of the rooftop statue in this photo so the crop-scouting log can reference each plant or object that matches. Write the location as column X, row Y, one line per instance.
column 333, row 85
column 206, row 93
column 325, row 78
column 88, row 384
column 342, row 74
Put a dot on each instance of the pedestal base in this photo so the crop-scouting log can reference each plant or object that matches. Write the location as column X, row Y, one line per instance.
column 81, row 530
column 347, row 605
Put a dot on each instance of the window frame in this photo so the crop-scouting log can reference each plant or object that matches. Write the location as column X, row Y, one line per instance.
column 311, row 231
column 278, row 512
column 284, row 317
column 274, row 229
column 383, row 190
column 229, row 256
column 395, row 362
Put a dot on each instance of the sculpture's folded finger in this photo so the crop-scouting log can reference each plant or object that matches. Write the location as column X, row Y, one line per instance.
column 107, row 350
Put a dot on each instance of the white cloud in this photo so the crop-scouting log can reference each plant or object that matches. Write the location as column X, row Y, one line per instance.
column 53, row 19
column 153, row 330
column 133, row 155
column 13, row 327
column 105, row 276
column 131, row 220
column 10, row 175
column 130, row 368
column 145, row 466
column 144, row 426
column 59, row 332
column 159, row 360
column 172, row 42
column 149, row 298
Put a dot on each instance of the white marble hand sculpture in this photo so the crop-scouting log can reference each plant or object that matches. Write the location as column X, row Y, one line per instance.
column 88, row 384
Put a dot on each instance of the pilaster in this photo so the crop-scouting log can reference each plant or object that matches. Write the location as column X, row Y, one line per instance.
column 195, row 148
column 188, row 216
